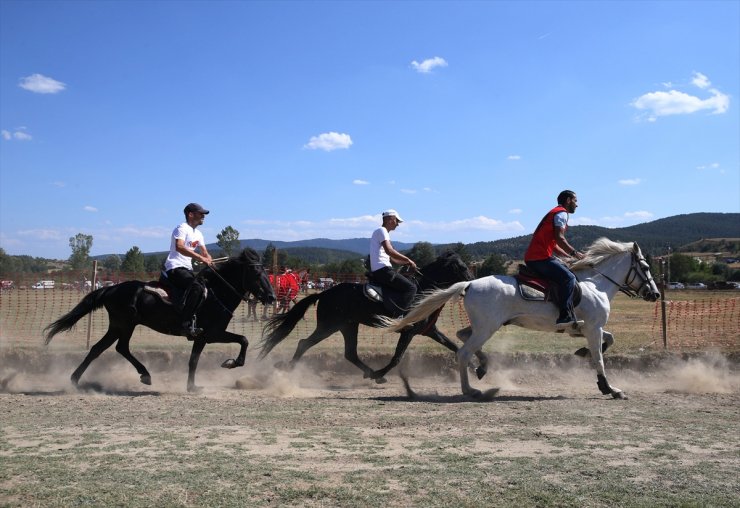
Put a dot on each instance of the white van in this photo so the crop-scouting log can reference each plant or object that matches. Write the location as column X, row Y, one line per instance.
column 43, row 284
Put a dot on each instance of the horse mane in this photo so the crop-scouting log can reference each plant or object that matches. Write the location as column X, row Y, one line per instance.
column 600, row 250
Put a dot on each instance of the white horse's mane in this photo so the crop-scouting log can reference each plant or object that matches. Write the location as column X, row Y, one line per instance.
column 599, row 251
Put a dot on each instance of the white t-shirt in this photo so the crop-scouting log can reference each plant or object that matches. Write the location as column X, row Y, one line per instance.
column 379, row 258
column 192, row 238
column 560, row 220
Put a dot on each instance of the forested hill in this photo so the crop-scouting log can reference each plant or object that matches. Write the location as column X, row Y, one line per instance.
column 653, row 237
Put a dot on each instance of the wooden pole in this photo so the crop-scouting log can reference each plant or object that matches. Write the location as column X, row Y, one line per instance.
column 93, row 284
column 662, row 307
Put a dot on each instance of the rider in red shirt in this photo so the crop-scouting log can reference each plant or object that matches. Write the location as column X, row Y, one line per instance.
column 549, row 240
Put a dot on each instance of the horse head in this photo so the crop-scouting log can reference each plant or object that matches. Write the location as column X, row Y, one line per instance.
column 647, row 288
column 255, row 278
column 447, row 269
column 629, row 270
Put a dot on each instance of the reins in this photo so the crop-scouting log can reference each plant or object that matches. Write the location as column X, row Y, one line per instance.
column 228, row 284
column 625, row 288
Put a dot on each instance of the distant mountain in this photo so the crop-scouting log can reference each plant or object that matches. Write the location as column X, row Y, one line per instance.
column 653, row 237
column 355, row 245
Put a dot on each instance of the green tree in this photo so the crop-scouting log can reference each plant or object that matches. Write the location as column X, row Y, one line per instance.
column 81, row 245
column 133, row 262
column 681, row 266
column 462, row 251
column 112, row 263
column 282, row 256
column 495, row 264
column 228, row 240
column 422, row 253
column 7, row 263
column 154, row 263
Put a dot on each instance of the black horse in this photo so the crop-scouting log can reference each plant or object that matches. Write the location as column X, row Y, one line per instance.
column 129, row 304
column 344, row 307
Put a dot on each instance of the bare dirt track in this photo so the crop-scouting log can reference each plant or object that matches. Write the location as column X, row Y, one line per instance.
column 323, row 436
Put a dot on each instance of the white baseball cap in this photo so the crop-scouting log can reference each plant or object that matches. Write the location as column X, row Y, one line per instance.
column 392, row 213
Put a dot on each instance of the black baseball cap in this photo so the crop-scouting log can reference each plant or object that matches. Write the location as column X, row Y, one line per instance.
column 195, row 207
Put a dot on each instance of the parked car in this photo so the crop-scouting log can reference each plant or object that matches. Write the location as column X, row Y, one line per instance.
column 696, row 285
column 43, row 284
column 7, row 284
column 676, row 285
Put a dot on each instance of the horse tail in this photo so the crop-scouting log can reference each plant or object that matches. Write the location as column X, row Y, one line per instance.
column 423, row 308
column 280, row 326
column 89, row 303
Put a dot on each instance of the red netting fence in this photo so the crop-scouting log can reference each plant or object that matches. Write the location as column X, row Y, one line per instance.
column 698, row 320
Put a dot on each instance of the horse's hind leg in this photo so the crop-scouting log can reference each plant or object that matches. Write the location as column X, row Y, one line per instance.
column 123, row 349
column 304, row 345
column 104, row 343
column 350, row 350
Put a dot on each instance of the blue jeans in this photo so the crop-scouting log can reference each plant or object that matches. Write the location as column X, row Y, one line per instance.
column 555, row 271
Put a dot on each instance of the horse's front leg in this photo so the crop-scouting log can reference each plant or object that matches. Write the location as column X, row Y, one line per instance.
column 606, row 342
column 597, row 362
column 198, row 345
column 230, row 338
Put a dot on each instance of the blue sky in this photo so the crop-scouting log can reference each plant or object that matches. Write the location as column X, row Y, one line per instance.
column 297, row 120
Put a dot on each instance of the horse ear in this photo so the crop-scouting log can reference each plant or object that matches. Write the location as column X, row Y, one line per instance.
column 635, row 247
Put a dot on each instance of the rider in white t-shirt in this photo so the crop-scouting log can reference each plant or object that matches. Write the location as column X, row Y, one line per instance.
column 381, row 255
column 187, row 243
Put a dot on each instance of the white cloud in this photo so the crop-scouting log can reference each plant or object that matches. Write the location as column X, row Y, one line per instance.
column 43, row 234
column 640, row 214
column 19, row 135
column 360, row 182
column 701, row 80
column 515, row 211
column 674, row 102
column 514, row 157
column 714, row 165
column 429, row 64
column 89, row 208
column 329, row 141
column 38, row 83
column 58, row 184
column 630, row 181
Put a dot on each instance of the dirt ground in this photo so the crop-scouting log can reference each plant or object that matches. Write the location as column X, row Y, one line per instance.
column 324, row 436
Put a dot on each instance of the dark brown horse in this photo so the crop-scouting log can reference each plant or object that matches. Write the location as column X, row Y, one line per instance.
column 129, row 305
column 344, row 307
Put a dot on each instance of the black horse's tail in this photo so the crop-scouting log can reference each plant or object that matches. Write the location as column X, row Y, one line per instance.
column 280, row 326
column 91, row 302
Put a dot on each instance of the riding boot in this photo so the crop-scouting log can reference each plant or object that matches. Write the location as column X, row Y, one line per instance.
column 190, row 330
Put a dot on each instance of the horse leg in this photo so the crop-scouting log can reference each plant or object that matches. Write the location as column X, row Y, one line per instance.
column 304, row 345
column 606, row 342
column 349, row 332
column 403, row 343
column 597, row 362
column 104, row 343
column 198, row 345
column 231, row 338
column 123, row 349
column 482, row 368
column 473, row 343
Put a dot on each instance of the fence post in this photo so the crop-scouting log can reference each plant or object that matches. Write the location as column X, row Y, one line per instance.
column 662, row 308
column 93, row 284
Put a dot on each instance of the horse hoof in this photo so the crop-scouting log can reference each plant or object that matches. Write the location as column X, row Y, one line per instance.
column 583, row 352
column 146, row 379
column 381, row 380
column 617, row 394
column 480, row 372
column 230, row 364
column 476, row 394
column 194, row 389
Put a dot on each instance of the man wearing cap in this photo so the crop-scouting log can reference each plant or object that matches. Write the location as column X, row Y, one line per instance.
column 381, row 255
column 187, row 244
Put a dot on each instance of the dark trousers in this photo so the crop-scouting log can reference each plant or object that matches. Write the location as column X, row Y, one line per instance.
column 406, row 289
column 192, row 290
column 555, row 271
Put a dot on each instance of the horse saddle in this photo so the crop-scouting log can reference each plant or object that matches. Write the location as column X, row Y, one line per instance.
column 164, row 291
column 533, row 287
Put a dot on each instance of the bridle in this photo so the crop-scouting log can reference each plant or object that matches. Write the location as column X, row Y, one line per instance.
column 244, row 281
column 633, row 273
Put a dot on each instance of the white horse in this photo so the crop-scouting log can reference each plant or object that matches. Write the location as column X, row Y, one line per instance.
column 492, row 302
